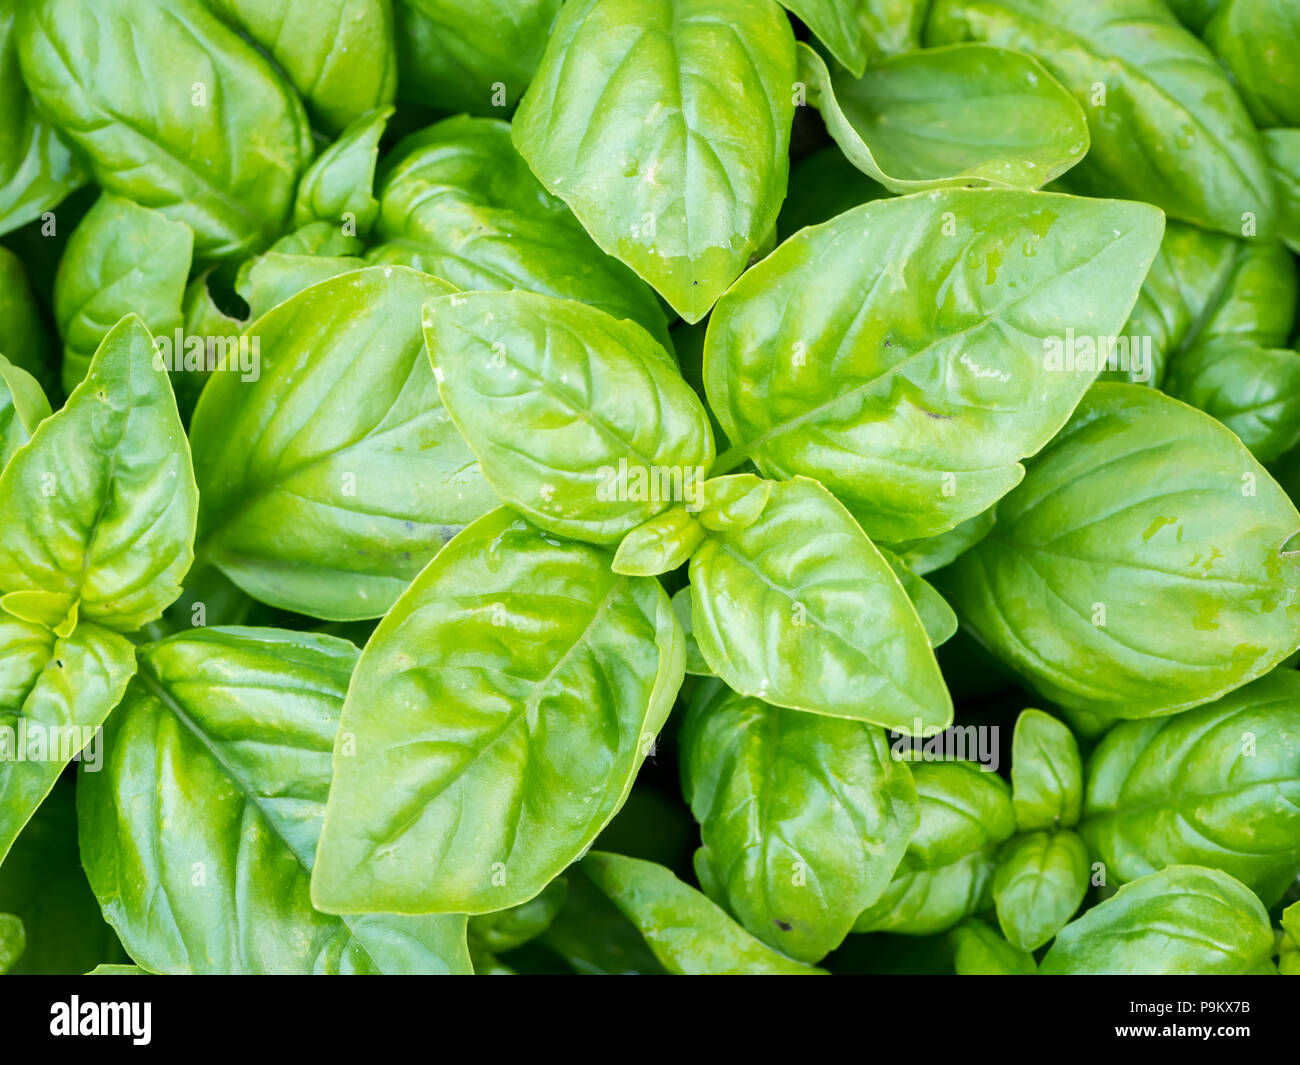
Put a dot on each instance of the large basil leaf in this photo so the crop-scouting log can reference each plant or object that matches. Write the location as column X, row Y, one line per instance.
column 804, row 818
column 1139, row 568
column 979, row 950
column 55, row 691
column 22, row 407
column 902, row 352
column 121, row 259
column 800, row 609
column 199, row 833
column 627, row 123
column 963, row 116
column 37, row 168
column 100, row 504
column 330, row 480
column 1040, row 882
column 1259, row 42
column 947, row 870
column 581, row 422
column 1046, row 773
column 856, row 31
column 43, row 884
column 1142, row 80
column 470, row 57
column 687, row 933
column 1283, row 149
column 338, row 53
column 339, row 186
column 459, row 202
column 1181, row 920
column 139, row 87
column 1217, row 786
column 508, row 698
column 22, row 335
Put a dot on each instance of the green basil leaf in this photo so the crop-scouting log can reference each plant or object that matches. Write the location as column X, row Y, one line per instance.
column 459, row 202
column 307, row 256
column 1141, row 510
column 121, row 259
column 687, row 933
column 659, row 545
column 339, row 186
column 695, row 664
column 930, row 553
column 912, row 392
column 100, row 504
column 511, row 928
column 509, row 696
column 1142, row 79
column 22, row 408
column 1039, row 884
column 979, row 950
column 856, row 31
column 961, row 116
column 804, row 818
column 337, row 53
column 947, row 870
column 801, row 610
column 580, row 422
column 594, row 937
column 330, row 480
column 1181, row 920
column 1046, row 773
column 1283, row 149
column 1258, row 41
column 22, row 334
column 1217, row 786
column 199, row 834
column 138, row 87
column 936, row 615
column 684, row 192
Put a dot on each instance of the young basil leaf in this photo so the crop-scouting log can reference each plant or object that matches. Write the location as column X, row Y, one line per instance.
column 507, row 929
column 659, row 545
column 1046, row 773
column 22, row 334
column 55, row 691
column 804, row 818
column 801, row 610
column 684, row 192
column 1181, row 920
column 137, row 86
column 339, row 187
column 947, row 869
column 1258, row 41
column 1160, row 87
column 1039, row 884
column 961, row 116
column 855, row 31
column 580, row 422
column 338, row 53
column 22, row 408
column 330, row 480
column 913, row 391
column 121, row 259
column 199, row 833
column 509, row 697
column 100, row 504
column 687, row 933
column 733, row 504
column 459, row 202
column 1140, row 509
column 1217, row 786
column 936, row 615
column 1282, row 147
column 979, row 950
column 477, row 58
column 298, row 260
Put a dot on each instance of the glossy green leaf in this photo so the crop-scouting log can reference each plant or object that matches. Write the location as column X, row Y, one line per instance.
column 695, row 663
column 1283, row 149
column 1217, row 786
column 138, row 86
column 22, row 407
column 856, row 31
column 199, row 834
column 459, row 202
column 1039, row 884
column 1139, row 568
column 979, row 950
column 100, row 504
column 579, row 421
column 937, row 617
column 664, row 125
column 509, row 697
column 339, row 186
column 659, row 545
column 122, row 259
column 801, row 610
column 961, row 116
column 1259, row 42
column 307, row 256
column 947, row 870
column 687, row 933
column 733, row 504
column 930, row 553
column 22, row 333
column 330, row 480
column 1142, row 80
column 903, row 353
column 1046, row 773
column 1181, row 920
column 804, row 818
column 337, row 53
